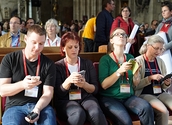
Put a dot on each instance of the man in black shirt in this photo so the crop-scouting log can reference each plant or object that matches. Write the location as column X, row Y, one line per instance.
column 27, row 79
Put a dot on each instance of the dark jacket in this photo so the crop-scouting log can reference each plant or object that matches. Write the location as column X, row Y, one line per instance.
column 103, row 25
column 90, row 77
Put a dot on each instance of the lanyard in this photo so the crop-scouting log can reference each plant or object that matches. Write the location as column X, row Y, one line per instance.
column 66, row 65
column 25, row 67
column 149, row 65
column 18, row 41
column 49, row 42
column 116, row 60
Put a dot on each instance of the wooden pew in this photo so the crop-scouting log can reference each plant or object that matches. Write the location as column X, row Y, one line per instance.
column 93, row 56
column 6, row 50
column 54, row 53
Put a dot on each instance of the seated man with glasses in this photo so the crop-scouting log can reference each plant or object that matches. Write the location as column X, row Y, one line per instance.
column 14, row 38
column 151, row 87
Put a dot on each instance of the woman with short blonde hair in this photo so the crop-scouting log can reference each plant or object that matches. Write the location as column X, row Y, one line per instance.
column 52, row 30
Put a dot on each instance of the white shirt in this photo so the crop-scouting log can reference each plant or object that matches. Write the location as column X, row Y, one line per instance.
column 55, row 42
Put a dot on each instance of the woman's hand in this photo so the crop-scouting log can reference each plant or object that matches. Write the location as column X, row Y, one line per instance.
column 155, row 77
column 167, row 82
column 73, row 78
column 124, row 67
column 131, row 41
column 79, row 80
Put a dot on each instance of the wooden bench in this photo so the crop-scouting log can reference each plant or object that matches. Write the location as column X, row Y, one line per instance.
column 133, row 116
column 54, row 53
column 6, row 50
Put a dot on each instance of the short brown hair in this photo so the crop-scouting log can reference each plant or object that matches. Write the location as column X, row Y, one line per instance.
column 37, row 29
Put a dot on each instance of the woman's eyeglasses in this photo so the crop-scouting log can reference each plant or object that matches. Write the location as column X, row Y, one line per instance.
column 157, row 48
column 119, row 34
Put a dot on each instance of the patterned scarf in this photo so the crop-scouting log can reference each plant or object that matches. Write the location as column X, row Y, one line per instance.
column 167, row 21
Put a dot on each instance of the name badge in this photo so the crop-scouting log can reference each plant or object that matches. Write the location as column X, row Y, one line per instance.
column 31, row 92
column 125, row 88
column 74, row 94
column 157, row 89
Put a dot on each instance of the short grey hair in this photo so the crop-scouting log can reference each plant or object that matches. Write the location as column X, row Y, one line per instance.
column 151, row 40
column 52, row 21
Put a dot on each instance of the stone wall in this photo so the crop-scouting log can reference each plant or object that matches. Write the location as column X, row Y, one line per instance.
column 6, row 8
column 76, row 9
column 146, row 13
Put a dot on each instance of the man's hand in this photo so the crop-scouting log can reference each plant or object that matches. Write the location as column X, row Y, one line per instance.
column 29, row 82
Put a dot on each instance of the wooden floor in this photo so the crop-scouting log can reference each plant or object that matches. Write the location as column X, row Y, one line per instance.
column 169, row 121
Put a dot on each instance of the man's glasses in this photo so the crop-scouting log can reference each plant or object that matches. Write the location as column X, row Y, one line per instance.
column 119, row 34
column 157, row 48
column 15, row 23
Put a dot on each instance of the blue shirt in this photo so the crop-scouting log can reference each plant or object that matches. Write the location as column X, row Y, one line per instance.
column 15, row 40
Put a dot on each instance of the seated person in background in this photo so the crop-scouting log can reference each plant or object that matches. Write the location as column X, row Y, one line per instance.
column 146, row 26
column 6, row 27
column 74, row 100
column 14, row 38
column 152, row 70
column 151, row 31
column 23, row 27
column 117, row 81
column 24, row 93
column 29, row 23
column 52, row 30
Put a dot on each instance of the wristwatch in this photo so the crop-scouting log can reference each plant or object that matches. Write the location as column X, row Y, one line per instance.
column 118, row 74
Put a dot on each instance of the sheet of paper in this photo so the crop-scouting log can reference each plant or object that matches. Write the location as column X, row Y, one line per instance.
column 135, row 66
column 127, row 48
column 166, row 56
column 132, row 35
column 134, row 31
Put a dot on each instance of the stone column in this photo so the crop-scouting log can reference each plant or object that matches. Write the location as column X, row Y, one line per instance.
column 98, row 5
column 93, row 11
column 22, row 7
column 30, row 9
column 86, row 7
column 26, row 10
column 19, row 8
column 76, row 10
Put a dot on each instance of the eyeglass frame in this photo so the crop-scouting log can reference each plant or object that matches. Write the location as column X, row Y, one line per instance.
column 157, row 48
column 14, row 23
column 124, row 35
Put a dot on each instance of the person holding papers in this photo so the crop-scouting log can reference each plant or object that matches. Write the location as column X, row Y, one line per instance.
column 124, row 21
column 166, row 24
column 151, row 87
column 117, row 81
column 164, row 29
